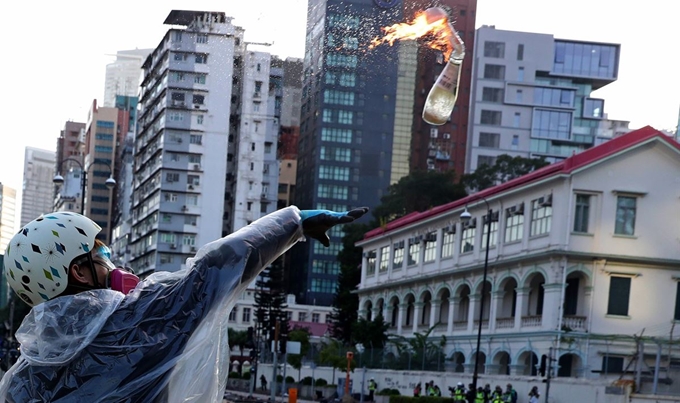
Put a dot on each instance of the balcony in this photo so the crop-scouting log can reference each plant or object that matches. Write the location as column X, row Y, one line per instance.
column 532, row 321
column 574, row 323
column 505, row 323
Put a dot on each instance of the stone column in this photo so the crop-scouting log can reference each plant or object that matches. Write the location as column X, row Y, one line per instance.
column 552, row 305
column 475, row 300
column 452, row 307
column 400, row 318
column 435, row 306
column 522, row 300
column 417, row 311
column 496, row 300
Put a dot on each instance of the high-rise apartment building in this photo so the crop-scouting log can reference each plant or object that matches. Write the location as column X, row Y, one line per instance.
column 37, row 196
column 361, row 128
column 124, row 75
column 205, row 150
column 532, row 95
column 8, row 207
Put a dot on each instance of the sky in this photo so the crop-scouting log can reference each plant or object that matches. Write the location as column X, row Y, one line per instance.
column 56, row 52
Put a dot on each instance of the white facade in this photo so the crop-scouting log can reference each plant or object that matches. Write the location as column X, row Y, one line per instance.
column 124, row 75
column 8, row 212
column 37, row 196
column 584, row 254
column 205, row 139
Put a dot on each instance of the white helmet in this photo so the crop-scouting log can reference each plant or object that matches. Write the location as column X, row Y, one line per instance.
column 38, row 256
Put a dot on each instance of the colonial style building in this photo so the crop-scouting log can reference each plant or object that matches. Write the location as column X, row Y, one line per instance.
column 582, row 255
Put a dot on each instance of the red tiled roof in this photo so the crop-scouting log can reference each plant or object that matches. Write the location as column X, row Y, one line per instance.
column 566, row 166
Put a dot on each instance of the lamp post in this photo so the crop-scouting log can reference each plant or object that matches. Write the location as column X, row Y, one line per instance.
column 465, row 217
column 110, row 182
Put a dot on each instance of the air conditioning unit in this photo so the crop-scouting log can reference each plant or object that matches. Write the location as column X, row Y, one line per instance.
column 184, row 208
column 191, row 187
column 193, row 249
column 263, row 196
column 197, row 106
column 197, row 167
column 173, row 246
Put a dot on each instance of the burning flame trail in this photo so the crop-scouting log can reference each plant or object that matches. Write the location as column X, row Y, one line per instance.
column 432, row 22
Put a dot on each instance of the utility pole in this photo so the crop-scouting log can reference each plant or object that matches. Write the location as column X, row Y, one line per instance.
column 275, row 349
column 547, row 379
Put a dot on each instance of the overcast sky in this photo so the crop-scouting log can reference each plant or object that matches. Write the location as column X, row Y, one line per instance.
column 55, row 53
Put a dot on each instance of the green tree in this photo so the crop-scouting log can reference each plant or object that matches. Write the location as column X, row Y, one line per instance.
column 419, row 191
column 334, row 354
column 300, row 334
column 504, row 169
column 345, row 301
column 420, row 350
column 237, row 338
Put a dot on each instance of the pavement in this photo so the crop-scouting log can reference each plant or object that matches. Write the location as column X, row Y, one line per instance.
column 235, row 396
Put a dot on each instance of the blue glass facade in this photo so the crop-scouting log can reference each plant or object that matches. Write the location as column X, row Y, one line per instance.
column 348, row 106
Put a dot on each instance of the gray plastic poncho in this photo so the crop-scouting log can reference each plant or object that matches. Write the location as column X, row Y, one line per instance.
column 166, row 341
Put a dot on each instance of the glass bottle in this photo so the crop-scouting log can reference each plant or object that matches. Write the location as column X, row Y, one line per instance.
column 442, row 97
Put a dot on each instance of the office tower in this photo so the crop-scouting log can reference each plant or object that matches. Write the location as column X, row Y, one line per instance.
column 361, row 128
column 532, row 95
column 123, row 76
column 8, row 206
column 290, row 130
column 37, row 196
column 205, row 150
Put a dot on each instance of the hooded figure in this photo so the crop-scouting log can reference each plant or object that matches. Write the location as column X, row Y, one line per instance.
column 165, row 341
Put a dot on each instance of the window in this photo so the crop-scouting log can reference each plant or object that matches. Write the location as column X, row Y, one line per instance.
column 488, row 160
column 172, row 177
column 612, row 364
column 201, row 38
column 336, row 135
column 196, row 139
column 430, row 247
column 619, row 296
column 413, row 251
column 195, row 158
column 490, row 94
column 198, row 99
column 467, row 243
column 170, row 197
column 551, row 124
column 177, row 36
column 302, row 316
column 334, row 173
column 175, row 116
column 520, row 51
column 541, row 215
column 315, row 318
column 345, row 117
column 246, row 315
column 517, row 119
column 232, row 315
column 189, row 240
column 582, row 213
column 494, row 71
column 491, row 118
column 514, row 223
column 493, row 239
column 520, row 74
column 256, row 106
column 449, row 234
column 625, row 215
column 199, row 79
column 593, row 108
column 167, row 237
column 370, row 263
column 324, row 285
column 553, row 97
column 340, row 60
column 519, row 96
column 398, row 257
column 490, row 140
column 201, row 58
column 199, row 119
column 333, row 191
column 193, row 180
column 494, row 49
column 338, row 97
column 514, row 145
column 325, row 267
column 384, row 259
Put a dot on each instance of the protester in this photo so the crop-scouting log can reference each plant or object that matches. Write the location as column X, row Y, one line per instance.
column 165, row 341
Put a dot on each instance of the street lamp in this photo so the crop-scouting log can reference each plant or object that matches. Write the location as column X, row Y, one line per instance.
column 110, row 182
column 465, row 217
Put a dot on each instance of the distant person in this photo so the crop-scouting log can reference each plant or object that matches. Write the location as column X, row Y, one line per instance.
column 512, row 393
column 417, row 390
column 534, row 395
column 372, row 386
column 263, row 382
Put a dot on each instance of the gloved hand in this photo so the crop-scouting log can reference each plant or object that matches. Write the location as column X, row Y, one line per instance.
column 315, row 223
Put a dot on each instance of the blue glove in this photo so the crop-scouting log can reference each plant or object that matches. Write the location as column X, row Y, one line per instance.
column 315, row 223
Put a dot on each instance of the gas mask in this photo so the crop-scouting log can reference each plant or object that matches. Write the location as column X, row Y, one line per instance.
column 119, row 278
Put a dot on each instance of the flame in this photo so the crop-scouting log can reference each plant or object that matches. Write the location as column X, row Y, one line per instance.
column 439, row 35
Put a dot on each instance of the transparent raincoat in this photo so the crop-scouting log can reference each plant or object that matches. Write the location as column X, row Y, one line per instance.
column 166, row 341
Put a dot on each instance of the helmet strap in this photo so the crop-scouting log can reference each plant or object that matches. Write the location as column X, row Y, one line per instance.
column 95, row 278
